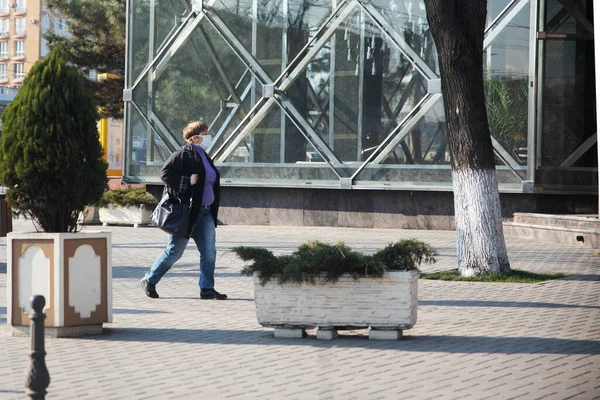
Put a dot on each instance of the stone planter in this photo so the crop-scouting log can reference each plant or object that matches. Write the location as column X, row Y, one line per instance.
column 387, row 305
column 89, row 216
column 117, row 215
column 73, row 271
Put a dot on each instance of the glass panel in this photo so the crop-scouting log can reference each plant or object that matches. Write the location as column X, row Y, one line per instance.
column 425, row 144
column 140, row 37
column 276, row 151
column 372, row 89
column 237, row 15
column 559, row 20
column 303, row 19
column 506, row 74
column 147, row 150
column 202, row 73
column 568, row 94
column 495, row 7
column 169, row 15
column 409, row 18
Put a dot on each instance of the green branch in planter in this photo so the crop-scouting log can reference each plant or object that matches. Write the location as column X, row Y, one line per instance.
column 128, row 197
column 315, row 258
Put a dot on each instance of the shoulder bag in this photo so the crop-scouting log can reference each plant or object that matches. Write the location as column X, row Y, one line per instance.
column 172, row 216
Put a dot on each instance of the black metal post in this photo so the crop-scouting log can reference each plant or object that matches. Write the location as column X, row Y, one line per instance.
column 38, row 378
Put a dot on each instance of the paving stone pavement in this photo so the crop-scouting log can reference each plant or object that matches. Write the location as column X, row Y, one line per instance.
column 471, row 340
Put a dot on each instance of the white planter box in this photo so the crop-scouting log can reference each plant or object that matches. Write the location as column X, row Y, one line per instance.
column 388, row 303
column 115, row 215
column 73, row 271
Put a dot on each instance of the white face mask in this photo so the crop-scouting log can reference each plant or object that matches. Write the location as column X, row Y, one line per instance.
column 206, row 141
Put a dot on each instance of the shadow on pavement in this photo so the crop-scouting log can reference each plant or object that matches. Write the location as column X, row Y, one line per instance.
column 484, row 303
column 433, row 343
column 134, row 311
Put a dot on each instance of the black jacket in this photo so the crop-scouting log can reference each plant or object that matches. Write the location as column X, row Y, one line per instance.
column 176, row 175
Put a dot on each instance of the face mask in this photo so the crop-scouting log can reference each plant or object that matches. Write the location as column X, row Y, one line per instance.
column 206, row 141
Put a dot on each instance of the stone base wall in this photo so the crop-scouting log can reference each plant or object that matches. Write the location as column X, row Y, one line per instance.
column 372, row 208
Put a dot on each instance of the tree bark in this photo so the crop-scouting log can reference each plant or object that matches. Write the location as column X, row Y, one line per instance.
column 458, row 31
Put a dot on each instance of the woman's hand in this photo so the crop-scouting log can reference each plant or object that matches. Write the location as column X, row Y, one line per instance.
column 193, row 179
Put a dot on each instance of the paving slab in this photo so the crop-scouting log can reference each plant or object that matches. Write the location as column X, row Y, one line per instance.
column 471, row 340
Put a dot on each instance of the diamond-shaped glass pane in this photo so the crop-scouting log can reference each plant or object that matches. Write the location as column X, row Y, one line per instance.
column 203, row 76
column 355, row 90
column 279, row 38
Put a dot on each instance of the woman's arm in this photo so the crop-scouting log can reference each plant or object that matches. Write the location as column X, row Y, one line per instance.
column 173, row 175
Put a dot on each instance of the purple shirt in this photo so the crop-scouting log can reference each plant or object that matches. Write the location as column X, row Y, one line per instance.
column 208, row 197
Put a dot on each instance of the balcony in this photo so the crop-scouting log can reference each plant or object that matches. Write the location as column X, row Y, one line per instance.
column 21, row 33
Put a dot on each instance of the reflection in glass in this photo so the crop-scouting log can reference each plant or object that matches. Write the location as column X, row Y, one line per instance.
column 506, row 75
column 350, row 98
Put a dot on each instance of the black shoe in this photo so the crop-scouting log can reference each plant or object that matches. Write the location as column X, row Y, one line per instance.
column 149, row 289
column 211, row 294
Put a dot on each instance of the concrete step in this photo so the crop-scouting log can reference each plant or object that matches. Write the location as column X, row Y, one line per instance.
column 589, row 221
column 589, row 238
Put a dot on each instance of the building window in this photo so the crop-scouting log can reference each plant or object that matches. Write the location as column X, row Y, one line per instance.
column 19, row 48
column 19, row 26
column 62, row 26
column 19, row 71
column 3, row 72
column 44, row 50
column 21, row 6
column 3, row 49
column 4, row 7
column 44, row 6
column 45, row 23
column 3, row 27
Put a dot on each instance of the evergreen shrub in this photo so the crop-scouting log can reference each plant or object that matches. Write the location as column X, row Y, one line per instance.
column 51, row 160
column 316, row 259
column 127, row 197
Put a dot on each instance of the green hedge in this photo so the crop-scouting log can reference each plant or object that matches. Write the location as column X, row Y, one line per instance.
column 129, row 196
column 315, row 259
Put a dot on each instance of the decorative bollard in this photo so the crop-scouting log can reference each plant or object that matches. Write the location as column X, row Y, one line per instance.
column 37, row 379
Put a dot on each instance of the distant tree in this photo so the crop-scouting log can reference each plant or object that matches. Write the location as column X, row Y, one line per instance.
column 51, row 159
column 458, row 27
column 97, row 42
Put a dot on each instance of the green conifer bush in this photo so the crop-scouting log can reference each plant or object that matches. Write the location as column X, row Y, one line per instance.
column 51, row 160
column 329, row 262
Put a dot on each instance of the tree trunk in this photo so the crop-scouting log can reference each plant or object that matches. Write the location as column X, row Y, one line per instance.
column 458, row 31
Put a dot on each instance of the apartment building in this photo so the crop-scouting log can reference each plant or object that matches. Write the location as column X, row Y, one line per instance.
column 23, row 26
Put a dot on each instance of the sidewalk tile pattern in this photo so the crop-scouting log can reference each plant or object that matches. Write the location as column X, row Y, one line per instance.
column 471, row 340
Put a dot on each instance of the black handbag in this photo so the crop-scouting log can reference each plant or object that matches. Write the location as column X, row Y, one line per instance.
column 172, row 216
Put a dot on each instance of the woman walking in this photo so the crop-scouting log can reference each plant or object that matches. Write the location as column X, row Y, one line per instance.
column 190, row 174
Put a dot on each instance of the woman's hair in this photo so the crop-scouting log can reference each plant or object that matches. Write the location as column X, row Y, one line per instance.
column 194, row 128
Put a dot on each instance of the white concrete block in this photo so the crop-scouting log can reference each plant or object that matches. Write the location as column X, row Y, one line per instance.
column 376, row 334
column 327, row 334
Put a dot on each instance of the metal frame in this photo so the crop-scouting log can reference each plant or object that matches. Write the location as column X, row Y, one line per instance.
column 292, row 70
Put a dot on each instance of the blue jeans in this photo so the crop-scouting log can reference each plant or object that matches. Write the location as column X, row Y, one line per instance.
column 204, row 236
